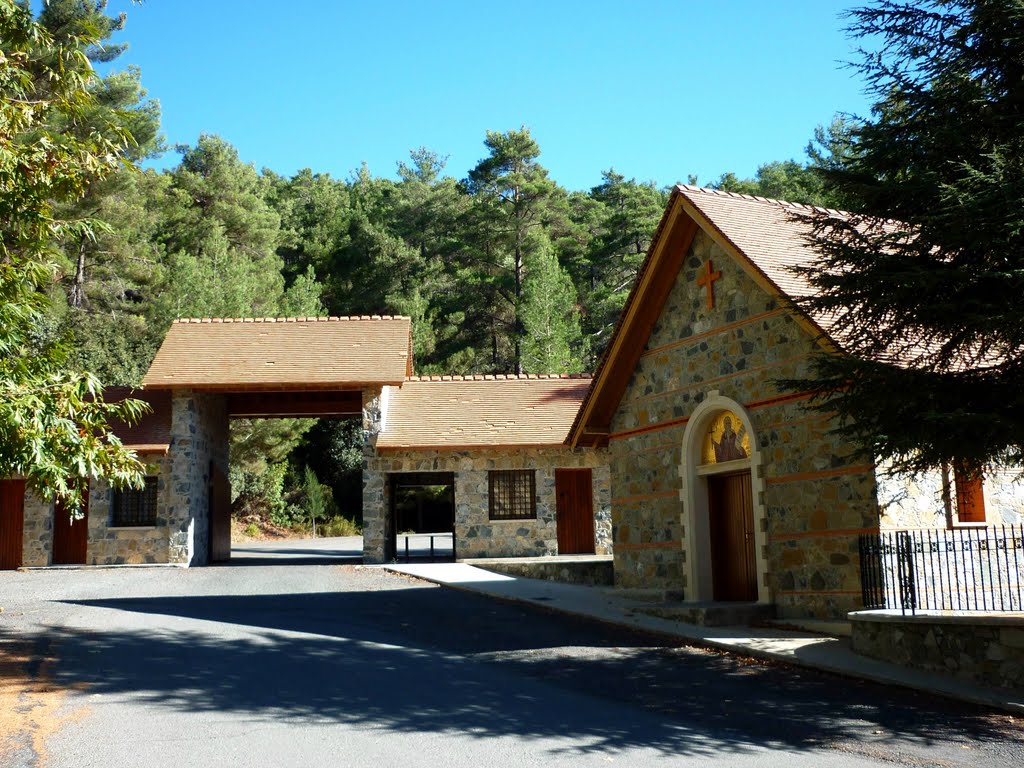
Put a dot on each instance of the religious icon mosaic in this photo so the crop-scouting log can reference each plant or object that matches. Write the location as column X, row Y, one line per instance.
column 725, row 440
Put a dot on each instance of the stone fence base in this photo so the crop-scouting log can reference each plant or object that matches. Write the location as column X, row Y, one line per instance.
column 983, row 648
column 589, row 570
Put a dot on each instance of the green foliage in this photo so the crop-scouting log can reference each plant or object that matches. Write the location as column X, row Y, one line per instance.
column 341, row 526
column 317, row 497
column 612, row 231
column 786, row 180
column 261, row 494
column 333, row 450
column 53, row 421
column 513, row 199
column 552, row 342
column 925, row 280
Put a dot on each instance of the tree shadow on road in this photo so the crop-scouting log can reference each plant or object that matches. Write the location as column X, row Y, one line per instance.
column 395, row 659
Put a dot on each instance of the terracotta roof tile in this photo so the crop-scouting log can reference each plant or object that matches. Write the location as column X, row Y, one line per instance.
column 289, row 353
column 762, row 230
column 482, row 411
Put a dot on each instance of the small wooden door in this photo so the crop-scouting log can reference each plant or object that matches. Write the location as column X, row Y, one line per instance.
column 731, row 509
column 575, row 510
column 220, row 515
column 12, row 523
column 70, row 537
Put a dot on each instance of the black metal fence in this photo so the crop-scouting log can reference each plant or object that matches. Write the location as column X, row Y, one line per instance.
column 963, row 569
column 425, row 547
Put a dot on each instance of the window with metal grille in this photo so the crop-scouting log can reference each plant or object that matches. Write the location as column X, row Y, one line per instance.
column 133, row 507
column 513, row 494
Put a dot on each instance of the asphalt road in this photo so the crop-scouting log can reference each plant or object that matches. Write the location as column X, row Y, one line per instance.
column 338, row 665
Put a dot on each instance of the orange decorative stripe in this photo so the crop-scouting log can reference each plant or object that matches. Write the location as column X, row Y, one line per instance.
column 713, row 332
column 717, row 379
column 823, row 533
column 818, row 475
column 649, row 428
column 654, row 448
column 779, row 400
column 622, row 547
column 646, row 496
column 796, row 422
column 672, row 423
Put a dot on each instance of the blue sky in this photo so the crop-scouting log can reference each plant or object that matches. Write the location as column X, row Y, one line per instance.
column 656, row 89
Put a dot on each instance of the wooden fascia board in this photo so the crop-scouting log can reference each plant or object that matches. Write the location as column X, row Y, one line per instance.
column 764, row 282
column 228, row 388
column 385, row 448
column 627, row 345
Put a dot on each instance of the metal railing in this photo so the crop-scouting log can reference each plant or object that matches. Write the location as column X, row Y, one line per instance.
column 963, row 569
column 441, row 546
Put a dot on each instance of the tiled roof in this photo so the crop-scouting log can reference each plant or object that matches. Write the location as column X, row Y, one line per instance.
column 152, row 433
column 761, row 229
column 482, row 411
column 285, row 353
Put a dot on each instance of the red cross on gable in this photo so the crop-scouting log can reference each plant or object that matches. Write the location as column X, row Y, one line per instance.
column 708, row 278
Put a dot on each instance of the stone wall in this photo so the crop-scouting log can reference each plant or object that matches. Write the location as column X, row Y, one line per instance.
column 815, row 497
column 37, row 543
column 130, row 544
column 917, row 502
column 375, row 487
column 984, row 649
column 105, row 545
column 199, row 435
column 589, row 570
column 475, row 534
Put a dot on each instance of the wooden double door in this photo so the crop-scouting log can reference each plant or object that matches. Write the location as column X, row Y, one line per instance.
column 731, row 512
column 70, row 537
column 12, row 523
column 574, row 507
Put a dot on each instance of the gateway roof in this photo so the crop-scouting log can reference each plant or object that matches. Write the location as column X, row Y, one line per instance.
column 296, row 353
column 448, row 412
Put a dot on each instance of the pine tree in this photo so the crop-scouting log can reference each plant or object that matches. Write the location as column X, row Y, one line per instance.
column 512, row 198
column 552, row 341
column 926, row 279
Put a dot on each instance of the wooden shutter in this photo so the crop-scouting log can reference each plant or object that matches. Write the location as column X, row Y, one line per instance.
column 970, row 496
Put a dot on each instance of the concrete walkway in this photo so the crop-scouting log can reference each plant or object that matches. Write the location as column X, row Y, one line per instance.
column 832, row 654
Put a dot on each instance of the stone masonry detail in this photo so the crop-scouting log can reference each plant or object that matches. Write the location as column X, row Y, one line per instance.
column 816, row 494
column 199, row 435
column 475, row 534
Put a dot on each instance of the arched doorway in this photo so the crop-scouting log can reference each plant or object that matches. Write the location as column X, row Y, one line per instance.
column 723, row 514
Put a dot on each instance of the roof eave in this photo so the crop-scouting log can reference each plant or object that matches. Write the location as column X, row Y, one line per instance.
column 625, row 327
column 221, row 387
column 470, row 446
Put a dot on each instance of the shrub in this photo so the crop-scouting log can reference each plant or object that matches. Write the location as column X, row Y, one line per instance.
column 340, row 526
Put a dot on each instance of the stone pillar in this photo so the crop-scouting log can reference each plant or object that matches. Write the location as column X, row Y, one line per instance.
column 602, row 505
column 375, row 501
column 37, row 542
column 199, row 435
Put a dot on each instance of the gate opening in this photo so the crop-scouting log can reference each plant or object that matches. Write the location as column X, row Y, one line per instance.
column 421, row 517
